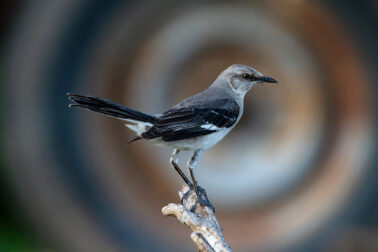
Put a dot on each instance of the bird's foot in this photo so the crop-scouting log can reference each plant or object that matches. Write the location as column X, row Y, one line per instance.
column 204, row 201
column 201, row 198
column 186, row 195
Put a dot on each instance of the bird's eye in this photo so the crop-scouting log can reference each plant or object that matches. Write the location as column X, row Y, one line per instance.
column 247, row 76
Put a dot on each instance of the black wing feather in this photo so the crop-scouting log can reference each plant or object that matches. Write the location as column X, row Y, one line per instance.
column 183, row 123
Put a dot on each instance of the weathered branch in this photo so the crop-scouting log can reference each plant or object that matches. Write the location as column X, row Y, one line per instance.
column 207, row 234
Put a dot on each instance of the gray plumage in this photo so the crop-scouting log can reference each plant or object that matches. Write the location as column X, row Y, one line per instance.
column 196, row 124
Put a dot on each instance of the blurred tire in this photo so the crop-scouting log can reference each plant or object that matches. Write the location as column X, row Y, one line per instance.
column 84, row 190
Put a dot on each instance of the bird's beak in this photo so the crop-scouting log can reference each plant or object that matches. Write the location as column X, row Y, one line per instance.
column 268, row 79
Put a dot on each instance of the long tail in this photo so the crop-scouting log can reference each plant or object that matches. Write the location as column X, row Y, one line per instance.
column 109, row 108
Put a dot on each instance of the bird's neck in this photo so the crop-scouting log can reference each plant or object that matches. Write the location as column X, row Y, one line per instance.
column 226, row 91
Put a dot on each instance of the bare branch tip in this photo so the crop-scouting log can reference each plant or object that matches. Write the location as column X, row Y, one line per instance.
column 207, row 233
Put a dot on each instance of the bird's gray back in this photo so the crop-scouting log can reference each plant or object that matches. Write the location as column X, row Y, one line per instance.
column 216, row 96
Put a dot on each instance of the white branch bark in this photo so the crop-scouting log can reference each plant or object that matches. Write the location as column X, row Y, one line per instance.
column 207, row 234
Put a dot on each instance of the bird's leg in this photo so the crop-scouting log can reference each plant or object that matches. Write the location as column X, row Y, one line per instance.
column 174, row 164
column 192, row 163
column 200, row 192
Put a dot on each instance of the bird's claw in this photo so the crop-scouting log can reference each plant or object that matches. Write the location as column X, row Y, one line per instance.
column 201, row 198
column 204, row 202
column 186, row 194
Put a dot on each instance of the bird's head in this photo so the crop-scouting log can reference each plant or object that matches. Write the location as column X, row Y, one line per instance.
column 242, row 78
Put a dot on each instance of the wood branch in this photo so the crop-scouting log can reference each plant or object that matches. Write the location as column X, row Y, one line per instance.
column 207, row 234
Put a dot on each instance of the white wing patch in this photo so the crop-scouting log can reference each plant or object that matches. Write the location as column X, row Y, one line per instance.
column 210, row 126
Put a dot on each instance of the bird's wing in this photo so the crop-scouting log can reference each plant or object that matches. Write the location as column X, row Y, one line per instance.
column 181, row 123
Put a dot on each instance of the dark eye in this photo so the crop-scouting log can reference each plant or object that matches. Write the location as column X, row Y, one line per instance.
column 247, row 76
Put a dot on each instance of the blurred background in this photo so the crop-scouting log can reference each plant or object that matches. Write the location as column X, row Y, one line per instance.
column 299, row 172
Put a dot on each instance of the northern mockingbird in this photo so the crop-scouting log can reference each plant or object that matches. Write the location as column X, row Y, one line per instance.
column 195, row 124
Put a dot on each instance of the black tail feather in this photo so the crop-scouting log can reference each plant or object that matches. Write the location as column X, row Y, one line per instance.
column 109, row 108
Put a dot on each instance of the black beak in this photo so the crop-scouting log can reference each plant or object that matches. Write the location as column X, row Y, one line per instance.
column 268, row 79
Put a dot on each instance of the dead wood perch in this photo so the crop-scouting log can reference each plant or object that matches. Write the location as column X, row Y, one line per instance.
column 207, row 234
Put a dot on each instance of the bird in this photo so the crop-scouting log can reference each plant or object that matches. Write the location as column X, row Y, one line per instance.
column 194, row 124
